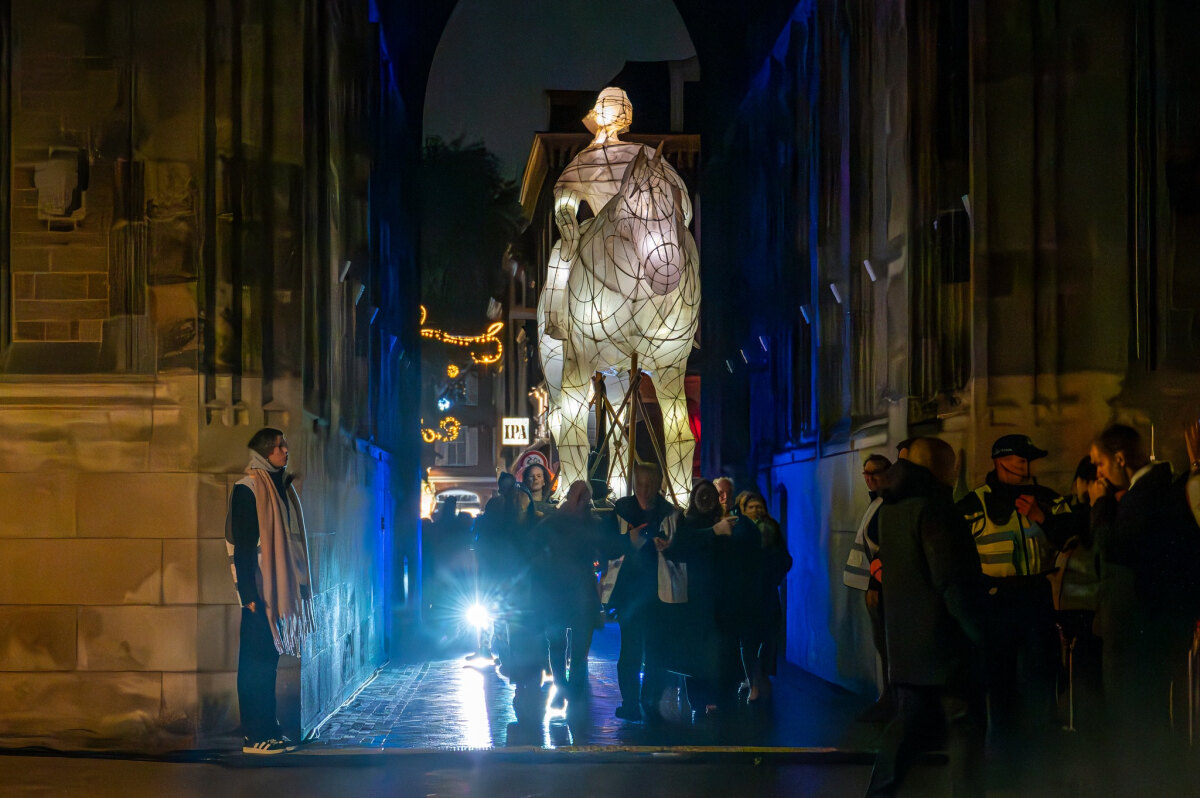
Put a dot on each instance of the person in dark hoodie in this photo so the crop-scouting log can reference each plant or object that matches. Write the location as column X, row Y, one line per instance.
column 934, row 603
column 1149, row 547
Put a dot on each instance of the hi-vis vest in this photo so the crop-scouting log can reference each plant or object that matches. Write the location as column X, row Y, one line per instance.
column 1017, row 547
column 857, row 573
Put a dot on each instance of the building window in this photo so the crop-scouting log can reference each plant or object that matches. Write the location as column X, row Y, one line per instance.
column 940, row 260
column 463, row 451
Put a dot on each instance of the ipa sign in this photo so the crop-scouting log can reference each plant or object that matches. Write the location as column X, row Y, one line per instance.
column 514, row 431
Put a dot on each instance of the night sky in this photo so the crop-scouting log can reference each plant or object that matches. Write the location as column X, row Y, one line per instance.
column 498, row 56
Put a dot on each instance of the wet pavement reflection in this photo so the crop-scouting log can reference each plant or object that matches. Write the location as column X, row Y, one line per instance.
column 463, row 703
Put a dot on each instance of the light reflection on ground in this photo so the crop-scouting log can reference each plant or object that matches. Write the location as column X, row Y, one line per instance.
column 472, row 705
column 463, row 702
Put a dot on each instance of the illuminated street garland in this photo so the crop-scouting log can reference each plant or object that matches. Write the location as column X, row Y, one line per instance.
column 450, row 427
column 476, row 343
column 452, row 371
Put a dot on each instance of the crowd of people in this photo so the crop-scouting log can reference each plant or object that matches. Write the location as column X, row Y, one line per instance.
column 694, row 591
column 999, row 615
column 987, row 611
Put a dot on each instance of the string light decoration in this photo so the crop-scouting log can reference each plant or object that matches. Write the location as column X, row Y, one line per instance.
column 485, row 349
column 452, row 371
column 448, row 429
column 625, row 281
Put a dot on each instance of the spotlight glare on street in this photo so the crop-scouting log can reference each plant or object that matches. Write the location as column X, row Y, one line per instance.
column 478, row 616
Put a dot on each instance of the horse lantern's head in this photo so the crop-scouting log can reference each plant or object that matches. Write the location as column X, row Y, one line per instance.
column 653, row 205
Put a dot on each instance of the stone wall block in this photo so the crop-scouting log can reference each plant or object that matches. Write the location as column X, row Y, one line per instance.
column 176, row 421
column 37, row 505
column 213, row 573
column 203, row 705
column 288, row 696
column 76, row 258
column 91, row 330
column 60, row 310
column 233, row 629
column 37, row 638
column 29, row 259
column 197, row 572
column 217, row 629
column 29, row 331
column 316, row 687
column 97, row 286
column 139, row 638
column 118, row 707
column 137, row 505
column 129, row 423
column 62, row 286
column 109, row 455
column 24, row 286
column 180, row 579
column 88, row 572
column 212, row 503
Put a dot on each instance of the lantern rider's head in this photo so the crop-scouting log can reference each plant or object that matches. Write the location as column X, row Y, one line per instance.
column 610, row 116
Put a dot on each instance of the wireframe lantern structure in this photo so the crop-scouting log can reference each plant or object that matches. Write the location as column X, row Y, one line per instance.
column 621, row 287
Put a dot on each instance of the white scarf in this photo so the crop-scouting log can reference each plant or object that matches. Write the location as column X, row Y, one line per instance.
column 286, row 582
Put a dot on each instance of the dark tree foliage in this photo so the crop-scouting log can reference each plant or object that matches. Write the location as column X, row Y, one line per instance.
column 469, row 214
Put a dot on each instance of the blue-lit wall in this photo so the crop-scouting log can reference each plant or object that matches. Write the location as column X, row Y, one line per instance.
column 909, row 235
column 350, row 512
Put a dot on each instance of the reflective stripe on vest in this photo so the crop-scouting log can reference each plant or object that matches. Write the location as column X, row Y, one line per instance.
column 999, row 552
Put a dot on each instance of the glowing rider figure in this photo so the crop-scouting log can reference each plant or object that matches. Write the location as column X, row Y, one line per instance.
column 594, row 176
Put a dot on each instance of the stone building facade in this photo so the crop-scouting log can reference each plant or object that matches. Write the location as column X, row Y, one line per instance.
column 188, row 253
column 959, row 219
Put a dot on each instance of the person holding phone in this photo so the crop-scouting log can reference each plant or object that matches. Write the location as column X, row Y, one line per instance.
column 635, row 594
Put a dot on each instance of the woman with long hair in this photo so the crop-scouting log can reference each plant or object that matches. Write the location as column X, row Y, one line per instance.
column 536, row 479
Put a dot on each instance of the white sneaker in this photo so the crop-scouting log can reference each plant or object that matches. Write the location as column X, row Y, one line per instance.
column 271, row 746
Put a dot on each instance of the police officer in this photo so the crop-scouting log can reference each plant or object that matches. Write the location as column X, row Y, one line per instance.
column 1018, row 527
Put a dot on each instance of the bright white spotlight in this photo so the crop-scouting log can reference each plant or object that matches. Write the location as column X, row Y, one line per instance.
column 478, row 616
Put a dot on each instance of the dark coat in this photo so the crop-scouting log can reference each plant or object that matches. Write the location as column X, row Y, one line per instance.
column 637, row 582
column 933, row 587
column 567, row 574
column 776, row 562
column 724, row 574
column 1152, row 533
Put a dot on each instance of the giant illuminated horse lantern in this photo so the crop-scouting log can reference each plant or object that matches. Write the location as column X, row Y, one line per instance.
column 625, row 281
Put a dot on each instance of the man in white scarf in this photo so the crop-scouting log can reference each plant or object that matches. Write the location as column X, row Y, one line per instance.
column 268, row 552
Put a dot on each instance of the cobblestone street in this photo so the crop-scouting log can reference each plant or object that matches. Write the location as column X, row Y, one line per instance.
column 464, row 703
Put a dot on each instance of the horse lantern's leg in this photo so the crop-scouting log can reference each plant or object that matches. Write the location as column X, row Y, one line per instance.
column 572, row 434
column 551, row 351
column 677, row 433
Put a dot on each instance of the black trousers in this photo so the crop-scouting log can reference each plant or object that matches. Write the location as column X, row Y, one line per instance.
column 931, row 719
column 258, row 662
column 637, row 648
